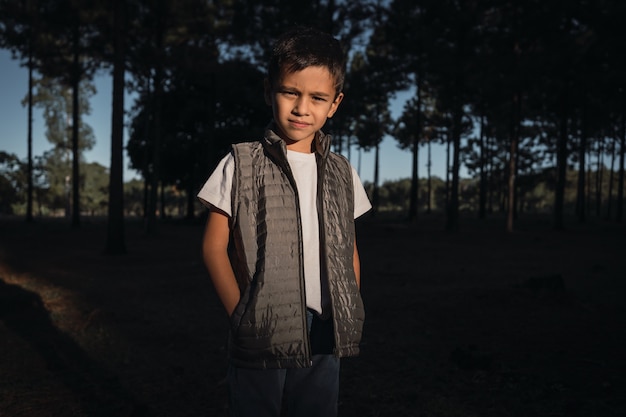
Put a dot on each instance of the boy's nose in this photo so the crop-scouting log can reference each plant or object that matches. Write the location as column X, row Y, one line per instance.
column 300, row 107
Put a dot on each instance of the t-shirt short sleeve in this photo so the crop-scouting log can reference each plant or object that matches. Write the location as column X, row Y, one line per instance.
column 216, row 191
column 361, row 203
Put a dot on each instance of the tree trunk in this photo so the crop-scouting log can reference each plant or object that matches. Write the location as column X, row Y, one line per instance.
column 430, row 179
column 515, row 120
column 146, row 197
column 561, row 165
column 599, row 179
column 580, row 191
column 482, row 193
column 516, row 190
column 376, row 196
column 588, row 183
column 414, row 200
column 151, row 221
column 115, row 242
column 611, row 181
column 191, row 199
column 75, row 130
column 490, row 181
column 162, row 187
column 452, row 218
column 448, row 169
column 510, row 217
column 29, row 198
column 622, row 155
column 330, row 12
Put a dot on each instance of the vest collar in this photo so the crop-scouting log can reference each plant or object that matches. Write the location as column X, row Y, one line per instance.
column 277, row 147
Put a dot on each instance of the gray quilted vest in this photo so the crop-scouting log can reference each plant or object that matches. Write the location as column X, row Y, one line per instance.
column 268, row 327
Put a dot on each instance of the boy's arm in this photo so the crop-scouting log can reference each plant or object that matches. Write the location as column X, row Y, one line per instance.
column 215, row 256
column 357, row 265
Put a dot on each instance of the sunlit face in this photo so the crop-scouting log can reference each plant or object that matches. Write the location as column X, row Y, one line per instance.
column 301, row 102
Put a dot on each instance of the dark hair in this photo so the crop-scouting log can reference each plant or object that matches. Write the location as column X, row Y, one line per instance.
column 305, row 47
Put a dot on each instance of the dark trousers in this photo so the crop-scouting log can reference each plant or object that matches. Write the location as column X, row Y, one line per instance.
column 304, row 392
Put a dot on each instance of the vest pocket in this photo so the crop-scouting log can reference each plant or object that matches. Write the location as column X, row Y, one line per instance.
column 237, row 316
column 242, row 311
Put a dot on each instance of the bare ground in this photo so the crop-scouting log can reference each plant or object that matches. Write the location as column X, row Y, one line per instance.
column 475, row 323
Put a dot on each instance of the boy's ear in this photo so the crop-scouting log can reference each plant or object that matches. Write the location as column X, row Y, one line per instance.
column 335, row 105
column 267, row 91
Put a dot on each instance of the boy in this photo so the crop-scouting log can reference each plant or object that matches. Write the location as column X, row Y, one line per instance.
column 280, row 245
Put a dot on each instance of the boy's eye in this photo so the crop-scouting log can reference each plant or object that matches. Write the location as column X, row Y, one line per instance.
column 319, row 98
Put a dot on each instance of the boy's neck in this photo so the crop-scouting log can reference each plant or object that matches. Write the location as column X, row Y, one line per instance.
column 300, row 146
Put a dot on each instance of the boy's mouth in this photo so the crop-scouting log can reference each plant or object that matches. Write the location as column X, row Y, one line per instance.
column 298, row 124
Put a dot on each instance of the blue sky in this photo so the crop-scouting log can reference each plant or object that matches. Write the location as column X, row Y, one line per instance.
column 394, row 164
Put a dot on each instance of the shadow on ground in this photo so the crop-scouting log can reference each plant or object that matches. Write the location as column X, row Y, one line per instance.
column 96, row 390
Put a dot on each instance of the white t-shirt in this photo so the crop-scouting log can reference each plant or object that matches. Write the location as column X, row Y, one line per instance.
column 216, row 192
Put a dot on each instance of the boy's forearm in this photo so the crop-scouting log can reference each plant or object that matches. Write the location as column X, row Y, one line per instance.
column 223, row 280
column 217, row 262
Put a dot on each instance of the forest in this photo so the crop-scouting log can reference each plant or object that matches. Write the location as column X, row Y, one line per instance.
column 494, row 290
column 529, row 97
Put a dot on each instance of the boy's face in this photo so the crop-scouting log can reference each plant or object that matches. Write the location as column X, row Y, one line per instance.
column 301, row 102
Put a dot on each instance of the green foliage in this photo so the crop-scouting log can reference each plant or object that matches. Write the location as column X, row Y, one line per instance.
column 52, row 182
column 57, row 180
column 395, row 195
column 11, row 182
column 536, row 194
column 367, row 97
column 55, row 100
column 191, row 142
column 94, row 189
column 485, row 75
column 134, row 194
